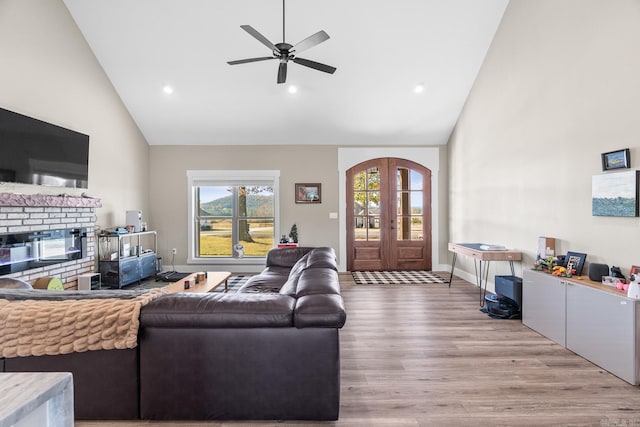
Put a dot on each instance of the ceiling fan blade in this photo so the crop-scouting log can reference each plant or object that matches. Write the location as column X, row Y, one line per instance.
column 315, row 65
column 244, row 61
column 282, row 72
column 262, row 39
column 311, row 41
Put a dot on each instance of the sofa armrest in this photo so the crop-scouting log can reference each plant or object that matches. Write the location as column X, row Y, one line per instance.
column 217, row 310
column 320, row 311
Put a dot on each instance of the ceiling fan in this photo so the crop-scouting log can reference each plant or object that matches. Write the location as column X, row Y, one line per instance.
column 285, row 52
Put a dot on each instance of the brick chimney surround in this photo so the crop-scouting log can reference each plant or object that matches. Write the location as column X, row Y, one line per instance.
column 20, row 213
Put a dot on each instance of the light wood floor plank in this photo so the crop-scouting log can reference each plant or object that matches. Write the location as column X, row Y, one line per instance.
column 424, row 355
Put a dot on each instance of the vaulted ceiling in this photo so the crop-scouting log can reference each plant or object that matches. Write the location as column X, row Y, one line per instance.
column 382, row 50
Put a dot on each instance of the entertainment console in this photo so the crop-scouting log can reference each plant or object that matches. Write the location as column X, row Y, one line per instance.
column 594, row 321
column 127, row 258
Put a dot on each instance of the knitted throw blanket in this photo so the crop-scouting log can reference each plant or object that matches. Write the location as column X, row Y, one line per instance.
column 50, row 325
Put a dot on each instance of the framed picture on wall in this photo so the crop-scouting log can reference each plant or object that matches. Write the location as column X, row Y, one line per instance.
column 308, row 193
column 615, row 194
column 616, row 160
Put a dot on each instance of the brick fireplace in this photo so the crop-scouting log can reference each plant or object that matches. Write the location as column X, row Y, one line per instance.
column 23, row 213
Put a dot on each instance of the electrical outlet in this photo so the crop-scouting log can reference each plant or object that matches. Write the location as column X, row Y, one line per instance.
column 174, row 251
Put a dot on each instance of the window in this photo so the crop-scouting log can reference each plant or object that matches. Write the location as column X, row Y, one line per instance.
column 366, row 204
column 233, row 214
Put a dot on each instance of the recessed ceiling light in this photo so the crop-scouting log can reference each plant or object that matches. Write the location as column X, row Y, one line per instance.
column 419, row 88
column 167, row 89
column 293, row 89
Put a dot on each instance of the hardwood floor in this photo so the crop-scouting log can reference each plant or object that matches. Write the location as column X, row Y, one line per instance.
column 424, row 355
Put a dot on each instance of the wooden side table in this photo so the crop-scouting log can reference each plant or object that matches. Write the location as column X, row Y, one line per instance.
column 475, row 251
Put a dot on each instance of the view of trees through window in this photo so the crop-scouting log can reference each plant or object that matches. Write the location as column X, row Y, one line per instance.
column 368, row 205
column 234, row 216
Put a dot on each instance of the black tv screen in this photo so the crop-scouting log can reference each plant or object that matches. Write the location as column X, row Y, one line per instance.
column 36, row 152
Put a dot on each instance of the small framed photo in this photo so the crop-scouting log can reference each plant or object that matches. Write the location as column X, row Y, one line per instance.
column 616, row 160
column 575, row 262
column 635, row 270
column 308, row 193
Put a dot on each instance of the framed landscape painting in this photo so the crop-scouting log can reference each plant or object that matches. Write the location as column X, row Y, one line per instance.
column 616, row 159
column 308, row 193
column 615, row 194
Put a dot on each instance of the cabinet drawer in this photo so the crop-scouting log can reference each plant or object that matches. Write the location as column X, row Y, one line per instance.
column 147, row 265
column 129, row 271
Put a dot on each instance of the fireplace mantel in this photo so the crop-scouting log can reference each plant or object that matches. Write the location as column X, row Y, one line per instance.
column 46, row 200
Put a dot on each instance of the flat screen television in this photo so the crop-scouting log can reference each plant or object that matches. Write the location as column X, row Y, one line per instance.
column 40, row 153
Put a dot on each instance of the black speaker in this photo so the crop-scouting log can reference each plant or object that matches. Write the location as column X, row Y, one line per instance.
column 597, row 271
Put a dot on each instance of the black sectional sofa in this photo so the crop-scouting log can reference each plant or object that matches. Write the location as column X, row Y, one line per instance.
column 268, row 352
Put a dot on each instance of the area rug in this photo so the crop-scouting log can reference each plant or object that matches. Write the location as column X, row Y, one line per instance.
column 234, row 283
column 396, row 277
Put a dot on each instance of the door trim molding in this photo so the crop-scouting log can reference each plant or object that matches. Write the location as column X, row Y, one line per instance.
column 428, row 157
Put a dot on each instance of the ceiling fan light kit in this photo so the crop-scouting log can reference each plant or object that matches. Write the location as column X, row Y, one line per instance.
column 285, row 52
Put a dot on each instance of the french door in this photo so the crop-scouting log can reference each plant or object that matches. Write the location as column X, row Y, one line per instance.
column 388, row 215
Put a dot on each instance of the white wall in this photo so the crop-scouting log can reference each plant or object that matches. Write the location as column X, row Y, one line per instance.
column 48, row 72
column 322, row 164
column 304, row 164
column 560, row 85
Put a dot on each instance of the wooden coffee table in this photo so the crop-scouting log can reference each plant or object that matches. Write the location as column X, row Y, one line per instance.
column 213, row 280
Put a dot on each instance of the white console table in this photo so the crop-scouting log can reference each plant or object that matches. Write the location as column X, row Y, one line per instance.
column 36, row 399
column 595, row 321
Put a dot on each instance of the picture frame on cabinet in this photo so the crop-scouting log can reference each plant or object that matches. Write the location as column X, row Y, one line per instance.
column 618, row 159
column 635, row 270
column 575, row 262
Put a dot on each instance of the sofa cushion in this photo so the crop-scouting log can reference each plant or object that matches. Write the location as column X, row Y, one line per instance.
column 286, row 257
column 218, row 310
column 270, row 280
column 322, row 257
column 315, row 281
column 299, row 266
column 290, row 286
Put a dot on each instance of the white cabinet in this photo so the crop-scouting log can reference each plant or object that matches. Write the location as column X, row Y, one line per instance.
column 543, row 305
column 594, row 321
column 601, row 328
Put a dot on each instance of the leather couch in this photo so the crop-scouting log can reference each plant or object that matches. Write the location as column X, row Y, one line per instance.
column 268, row 352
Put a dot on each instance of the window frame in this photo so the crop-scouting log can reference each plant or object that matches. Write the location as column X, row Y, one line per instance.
column 199, row 178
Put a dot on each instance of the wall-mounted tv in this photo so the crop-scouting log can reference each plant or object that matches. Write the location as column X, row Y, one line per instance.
column 36, row 152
